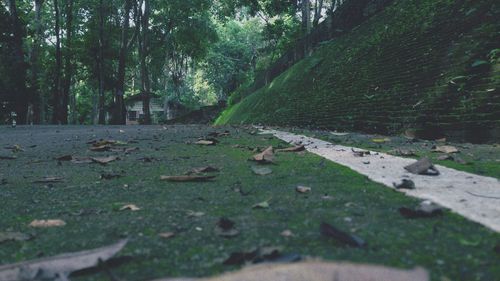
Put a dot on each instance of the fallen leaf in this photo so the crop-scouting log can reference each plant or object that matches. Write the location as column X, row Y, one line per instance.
column 81, row 160
column 49, row 180
column 403, row 152
column 423, row 166
column 194, row 214
column 98, row 143
column 187, row 178
column 104, row 160
column 410, row 134
column 303, row 189
column 64, row 158
column 14, row 236
column 317, row 271
column 445, row 157
column 360, row 153
column 262, row 171
column 287, row 233
column 47, row 223
column 261, row 205
column 352, row 240
column 205, row 142
column 381, row 140
column 130, row 207
column 297, row 148
column 445, row 149
column 339, row 134
column 202, row 170
column 225, row 228
column 15, row 148
column 7, row 157
column 265, row 157
column 100, row 148
column 110, row 176
column 426, row 209
column 59, row 267
column 167, row 235
column 405, row 184
column 218, row 134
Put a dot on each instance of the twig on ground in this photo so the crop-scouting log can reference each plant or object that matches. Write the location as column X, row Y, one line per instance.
column 483, row 196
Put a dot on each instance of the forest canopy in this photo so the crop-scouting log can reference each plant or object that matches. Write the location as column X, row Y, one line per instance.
column 78, row 61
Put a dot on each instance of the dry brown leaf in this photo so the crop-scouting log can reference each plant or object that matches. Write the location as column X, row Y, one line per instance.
column 297, row 148
column 193, row 214
column 446, row 149
column 303, row 189
column 262, row 171
column 77, row 160
column 130, row 207
column 14, row 236
column 186, row 178
column 262, row 205
column 267, row 156
column 103, row 142
column 64, row 158
column 47, row 223
column 205, row 142
column 202, row 170
column 59, row 267
column 100, row 148
column 166, row 235
column 49, row 180
column 104, row 160
column 317, row 271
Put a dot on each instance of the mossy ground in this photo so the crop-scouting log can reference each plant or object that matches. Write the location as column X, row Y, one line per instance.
column 449, row 246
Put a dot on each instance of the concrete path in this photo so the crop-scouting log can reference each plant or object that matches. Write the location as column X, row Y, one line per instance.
column 474, row 197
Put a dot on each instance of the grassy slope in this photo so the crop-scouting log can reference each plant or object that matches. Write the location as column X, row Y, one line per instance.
column 390, row 73
column 449, row 246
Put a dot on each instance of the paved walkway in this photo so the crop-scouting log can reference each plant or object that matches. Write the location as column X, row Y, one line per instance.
column 474, row 197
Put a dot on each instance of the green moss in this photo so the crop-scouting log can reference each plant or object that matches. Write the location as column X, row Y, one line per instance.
column 448, row 246
column 391, row 73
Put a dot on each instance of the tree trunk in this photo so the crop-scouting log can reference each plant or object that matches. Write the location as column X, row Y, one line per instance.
column 100, row 65
column 143, row 53
column 318, row 8
column 306, row 16
column 57, row 97
column 21, row 99
column 119, row 117
column 38, row 98
column 68, row 66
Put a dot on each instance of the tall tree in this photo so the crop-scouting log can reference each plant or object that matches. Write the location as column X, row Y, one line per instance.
column 68, row 63
column 19, row 65
column 125, row 44
column 57, row 97
column 38, row 97
column 100, row 65
column 143, row 54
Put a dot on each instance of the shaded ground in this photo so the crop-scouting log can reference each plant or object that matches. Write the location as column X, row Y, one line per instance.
column 448, row 246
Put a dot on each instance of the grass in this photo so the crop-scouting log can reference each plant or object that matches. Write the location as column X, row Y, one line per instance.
column 392, row 73
column 448, row 246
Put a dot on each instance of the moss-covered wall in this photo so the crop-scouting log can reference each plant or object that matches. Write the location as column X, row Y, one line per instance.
column 432, row 65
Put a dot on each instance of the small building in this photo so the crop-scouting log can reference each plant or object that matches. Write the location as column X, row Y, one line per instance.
column 134, row 109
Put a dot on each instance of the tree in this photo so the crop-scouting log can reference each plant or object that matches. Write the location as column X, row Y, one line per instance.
column 18, row 69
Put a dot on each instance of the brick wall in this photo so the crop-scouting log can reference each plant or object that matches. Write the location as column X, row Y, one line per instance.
column 430, row 65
